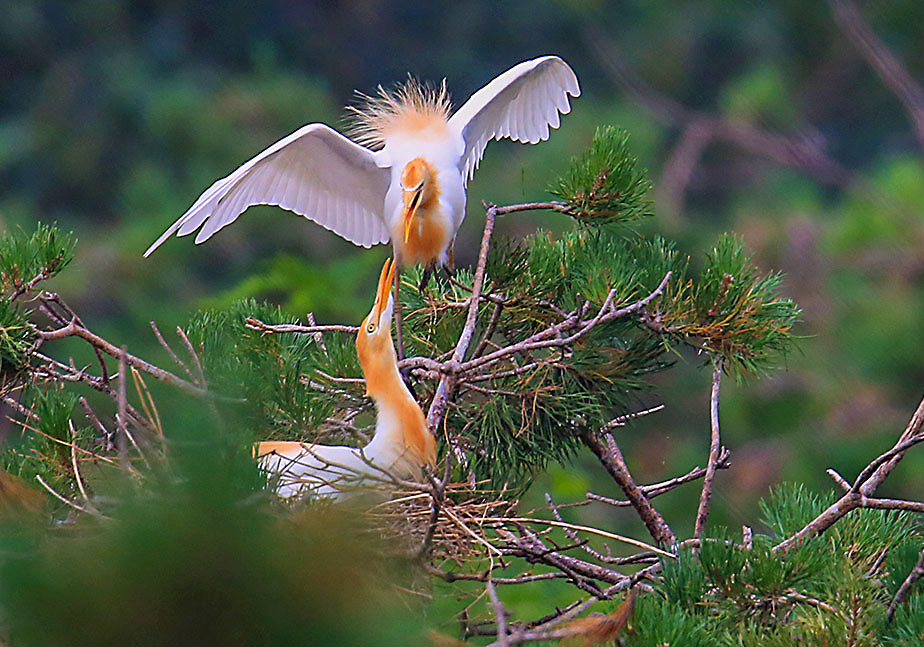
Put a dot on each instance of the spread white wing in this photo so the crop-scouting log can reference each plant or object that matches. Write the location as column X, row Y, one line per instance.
column 315, row 172
column 522, row 103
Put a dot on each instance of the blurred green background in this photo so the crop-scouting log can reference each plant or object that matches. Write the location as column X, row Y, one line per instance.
column 115, row 115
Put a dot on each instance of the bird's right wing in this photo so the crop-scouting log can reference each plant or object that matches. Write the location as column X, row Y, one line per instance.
column 315, row 172
column 520, row 104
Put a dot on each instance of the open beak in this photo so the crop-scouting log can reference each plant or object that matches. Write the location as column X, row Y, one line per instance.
column 384, row 290
column 411, row 212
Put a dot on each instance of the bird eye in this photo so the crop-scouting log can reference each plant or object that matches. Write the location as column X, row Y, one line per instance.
column 370, row 328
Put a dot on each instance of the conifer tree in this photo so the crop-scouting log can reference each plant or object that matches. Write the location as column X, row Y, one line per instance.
column 532, row 356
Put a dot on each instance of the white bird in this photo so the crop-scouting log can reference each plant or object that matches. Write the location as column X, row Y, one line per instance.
column 408, row 182
column 402, row 444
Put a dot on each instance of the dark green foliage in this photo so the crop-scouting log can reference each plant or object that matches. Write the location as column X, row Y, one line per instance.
column 16, row 340
column 190, row 561
column 908, row 623
column 275, row 376
column 657, row 623
column 831, row 589
column 604, row 185
column 42, row 254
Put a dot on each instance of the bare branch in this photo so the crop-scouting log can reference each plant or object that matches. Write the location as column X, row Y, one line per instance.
column 448, row 381
column 715, row 449
column 256, row 324
column 74, row 329
column 656, row 489
column 607, row 452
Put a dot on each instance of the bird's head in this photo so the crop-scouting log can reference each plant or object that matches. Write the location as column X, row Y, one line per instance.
column 416, row 178
column 374, row 338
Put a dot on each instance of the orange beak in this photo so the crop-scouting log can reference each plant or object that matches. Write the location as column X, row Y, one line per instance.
column 386, row 278
column 411, row 212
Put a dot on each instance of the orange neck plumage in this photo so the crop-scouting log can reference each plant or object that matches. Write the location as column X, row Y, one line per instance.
column 400, row 419
column 423, row 232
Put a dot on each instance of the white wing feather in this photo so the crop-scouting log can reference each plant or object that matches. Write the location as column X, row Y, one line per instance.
column 522, row 103
column 315, row 172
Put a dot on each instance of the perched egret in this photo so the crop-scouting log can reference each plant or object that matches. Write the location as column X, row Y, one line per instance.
column 401, row 446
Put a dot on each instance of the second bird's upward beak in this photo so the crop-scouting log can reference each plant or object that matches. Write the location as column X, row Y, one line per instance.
column 383, row 291
column 411, row 212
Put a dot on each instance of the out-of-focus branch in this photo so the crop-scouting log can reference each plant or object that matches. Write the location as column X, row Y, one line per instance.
column 678, row 169
column 801, row 152
column 890, row 71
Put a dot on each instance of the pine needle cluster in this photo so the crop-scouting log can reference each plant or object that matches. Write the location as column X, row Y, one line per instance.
column 605, row 184
column 25, row 260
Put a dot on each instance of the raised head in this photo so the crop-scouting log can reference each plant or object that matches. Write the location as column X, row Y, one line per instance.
column 374, row 337
column 416, row 188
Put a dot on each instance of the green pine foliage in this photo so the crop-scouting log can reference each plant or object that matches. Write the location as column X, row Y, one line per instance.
column 833, row 589
column 272, row 380
column 24, row 257
column 733, row 311
column 40, row 450
column 605, row 184
column 16, row 341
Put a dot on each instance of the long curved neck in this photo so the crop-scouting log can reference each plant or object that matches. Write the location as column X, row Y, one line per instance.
column 400, row 420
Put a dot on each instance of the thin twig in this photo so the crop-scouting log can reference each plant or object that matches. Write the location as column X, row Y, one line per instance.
column 65, row 500
column 500, row 614
column 122, row 439
column 74, row 329
column 656, row 489
column 256, row 324
column 715, row 448
column 166, row 347
column 916, row 573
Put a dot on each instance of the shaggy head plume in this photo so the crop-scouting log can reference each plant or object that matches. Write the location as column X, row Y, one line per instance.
column 411, row 107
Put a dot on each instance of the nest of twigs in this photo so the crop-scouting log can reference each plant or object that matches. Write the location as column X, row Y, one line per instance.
column 452, row 526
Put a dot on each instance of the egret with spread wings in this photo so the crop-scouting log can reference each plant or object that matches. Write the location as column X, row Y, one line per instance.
column 404, row 178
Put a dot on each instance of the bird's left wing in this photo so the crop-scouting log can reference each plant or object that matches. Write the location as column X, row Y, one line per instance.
column 315, row 172
column 522, row 103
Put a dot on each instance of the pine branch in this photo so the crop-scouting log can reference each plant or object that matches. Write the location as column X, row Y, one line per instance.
column 859, row 495
column 74, row 329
